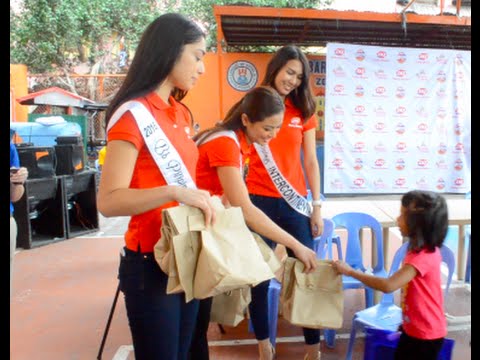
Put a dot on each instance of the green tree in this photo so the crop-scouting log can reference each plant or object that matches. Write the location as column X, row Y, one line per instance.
column 48, row 34
column 57, row 33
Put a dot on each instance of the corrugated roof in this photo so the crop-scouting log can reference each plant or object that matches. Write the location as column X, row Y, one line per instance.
column 250, row 26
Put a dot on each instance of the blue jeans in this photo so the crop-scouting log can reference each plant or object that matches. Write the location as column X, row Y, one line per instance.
column 161, row 325
column 296, row 224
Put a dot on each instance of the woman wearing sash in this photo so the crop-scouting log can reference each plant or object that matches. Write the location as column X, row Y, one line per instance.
column 223, row 161
column 148, row 128
column 276, row 181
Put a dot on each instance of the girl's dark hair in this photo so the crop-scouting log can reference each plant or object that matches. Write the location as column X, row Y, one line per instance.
column 258, row 104
column 160, row 47
column 426, row 219
column 301, row 97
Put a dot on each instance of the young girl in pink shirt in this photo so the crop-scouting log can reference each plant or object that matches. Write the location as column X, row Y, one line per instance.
column 423, row 220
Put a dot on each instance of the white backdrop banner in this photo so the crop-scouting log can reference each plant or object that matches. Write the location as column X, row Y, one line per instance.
column 397, row 119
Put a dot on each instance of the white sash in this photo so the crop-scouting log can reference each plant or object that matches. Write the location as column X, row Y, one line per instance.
column 163, row 152
column 291, row 196
column 228, row 133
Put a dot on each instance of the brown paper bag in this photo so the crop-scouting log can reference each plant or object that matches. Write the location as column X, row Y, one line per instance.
column 206, row 262
column 229, row 308
column 268, row 254
column 312, row 300
column 176, row 237
column 229, row 255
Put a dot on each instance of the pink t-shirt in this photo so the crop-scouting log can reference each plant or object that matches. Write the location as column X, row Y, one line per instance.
column 422, row 303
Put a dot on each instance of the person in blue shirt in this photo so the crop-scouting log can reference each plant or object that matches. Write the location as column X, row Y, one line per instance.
column 18, row 176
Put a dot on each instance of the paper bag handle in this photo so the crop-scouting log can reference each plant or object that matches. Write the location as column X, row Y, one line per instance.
column 196, row 222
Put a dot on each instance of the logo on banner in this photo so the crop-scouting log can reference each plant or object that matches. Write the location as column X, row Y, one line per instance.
column 401, row 57
column 379, row 112
column 422, row 112
column 400, row 183
column 380, row 74
column 422, row 184
column 359, row 146
column 401, row 146
column 458, row 59
column 339, row 72
column 440, row 184
column 337, row 163
column 336, row 184
column 458, row 165
column 380, row 147
column 441, row 164
column 379, row 184
column 380, row 91
column 442, row 148
column 400, row 164
column 242, row 75
column 360, row 55
column 423, row 58
column 359, row 111
column 380, row 163
column 359, row 127
column 458, row 129
column 382, row 55
column 400, row 74
column 358, row 165
column 360, row 72
column 380, row 127
column 400, row 128
column 422, row 164
column 337, row 147
column 422, row 75
column 401, row 111
column 359, row 91
column 400, row 92
column 423, row 148
column 442, row 59
column 441, row 76
column 359, row 183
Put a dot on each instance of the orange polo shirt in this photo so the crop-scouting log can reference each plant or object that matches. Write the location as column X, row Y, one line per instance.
column 144, row 229
column 286, row 149
column 221, row 151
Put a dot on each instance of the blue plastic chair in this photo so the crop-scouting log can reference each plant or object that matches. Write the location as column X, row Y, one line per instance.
column 381, row 344
column 386, row 315
column 354, row 222
column 323, row 244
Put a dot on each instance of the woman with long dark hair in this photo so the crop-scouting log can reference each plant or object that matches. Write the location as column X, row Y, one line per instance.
column 276, row 181
column 147, row 130
column 224, row 151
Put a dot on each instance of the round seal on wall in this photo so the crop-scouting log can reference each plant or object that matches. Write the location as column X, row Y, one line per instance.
column 242, row 75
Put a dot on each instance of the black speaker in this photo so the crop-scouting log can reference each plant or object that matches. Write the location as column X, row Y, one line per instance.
column 70, row 159
column 40, row 213
column 80, row 198
column 39, row 160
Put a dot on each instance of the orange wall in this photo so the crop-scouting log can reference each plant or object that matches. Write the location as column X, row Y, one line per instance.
column 18, row 88
column 215, row 93
column 211, row 98
column 215, row 90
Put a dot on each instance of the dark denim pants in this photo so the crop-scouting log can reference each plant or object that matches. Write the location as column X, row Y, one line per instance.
column 161, row 325
column 298, row 226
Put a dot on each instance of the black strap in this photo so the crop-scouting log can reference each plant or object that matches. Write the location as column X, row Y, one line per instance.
column 105, row 333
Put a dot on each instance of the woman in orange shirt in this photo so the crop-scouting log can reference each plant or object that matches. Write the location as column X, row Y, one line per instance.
column 223, row 162
column 271, row 191
column 147, row 125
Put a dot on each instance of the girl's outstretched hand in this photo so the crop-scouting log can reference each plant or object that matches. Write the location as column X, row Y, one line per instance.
column 342, row 267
